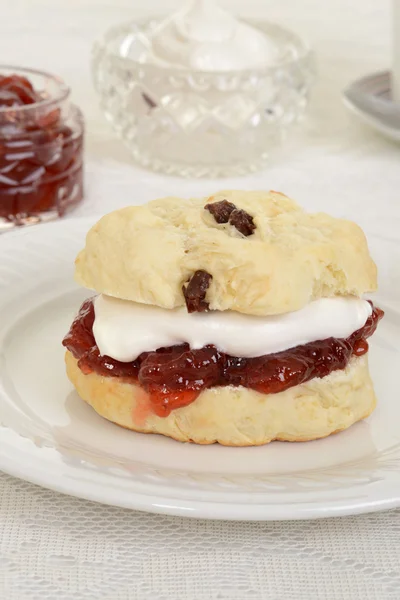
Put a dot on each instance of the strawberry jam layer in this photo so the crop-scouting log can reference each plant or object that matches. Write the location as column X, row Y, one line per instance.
column 174, row 377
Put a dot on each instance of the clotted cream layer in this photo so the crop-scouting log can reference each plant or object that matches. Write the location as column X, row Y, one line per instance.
column 123, row 329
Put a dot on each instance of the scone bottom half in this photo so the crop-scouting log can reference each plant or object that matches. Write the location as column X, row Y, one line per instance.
column 254, row 254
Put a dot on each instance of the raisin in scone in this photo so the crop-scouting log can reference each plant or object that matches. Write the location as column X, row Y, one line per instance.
column 237, row 318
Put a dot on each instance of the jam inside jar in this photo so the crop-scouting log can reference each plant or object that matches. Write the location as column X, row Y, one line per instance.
column 41, row 148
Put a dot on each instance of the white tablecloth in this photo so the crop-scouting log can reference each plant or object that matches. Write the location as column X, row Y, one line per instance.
column 56, row 547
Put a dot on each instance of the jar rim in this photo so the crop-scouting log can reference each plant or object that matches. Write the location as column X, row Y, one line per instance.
column 63, row 90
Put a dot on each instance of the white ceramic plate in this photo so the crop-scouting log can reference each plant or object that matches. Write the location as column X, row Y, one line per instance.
column 50, row 437
column 370, row 98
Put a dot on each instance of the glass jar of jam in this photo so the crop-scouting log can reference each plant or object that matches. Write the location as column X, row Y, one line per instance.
column 41, row 148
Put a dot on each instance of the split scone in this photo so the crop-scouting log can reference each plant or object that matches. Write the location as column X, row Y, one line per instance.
column 237, row 319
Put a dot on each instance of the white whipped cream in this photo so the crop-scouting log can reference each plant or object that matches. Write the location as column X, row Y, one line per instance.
column 123, row 329
column 204, row 37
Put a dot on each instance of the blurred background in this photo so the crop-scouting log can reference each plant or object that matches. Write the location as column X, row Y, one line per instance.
column 350, row 39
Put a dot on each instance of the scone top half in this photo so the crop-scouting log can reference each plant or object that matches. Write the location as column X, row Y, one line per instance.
column 264, row 253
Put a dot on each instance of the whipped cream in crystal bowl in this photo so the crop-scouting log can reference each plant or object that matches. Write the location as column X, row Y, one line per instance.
column 202, row 93
column 203, row 36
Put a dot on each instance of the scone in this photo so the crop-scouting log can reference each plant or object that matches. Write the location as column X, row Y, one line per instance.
column 237, row 319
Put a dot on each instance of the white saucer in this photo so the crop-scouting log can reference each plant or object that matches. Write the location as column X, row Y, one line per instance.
column 50, row 437
column 370, row 98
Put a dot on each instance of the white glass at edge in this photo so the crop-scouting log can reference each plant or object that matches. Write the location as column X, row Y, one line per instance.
column 52, row 438
column 396, row 50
